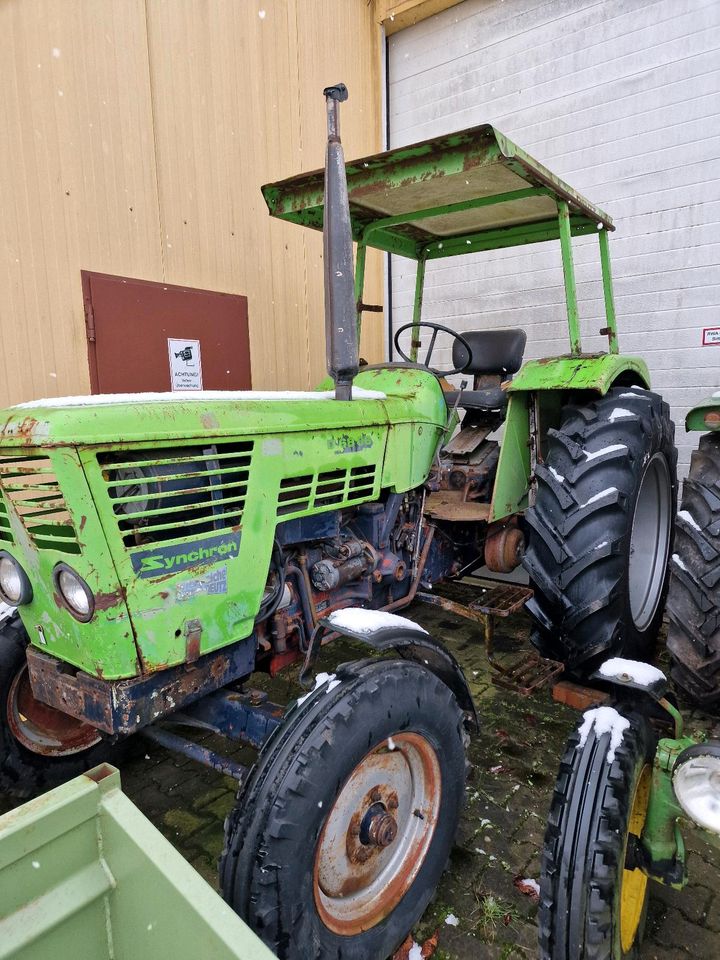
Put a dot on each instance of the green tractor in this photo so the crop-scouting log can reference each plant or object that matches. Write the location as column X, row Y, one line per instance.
column 159, row 551
column 694, row 598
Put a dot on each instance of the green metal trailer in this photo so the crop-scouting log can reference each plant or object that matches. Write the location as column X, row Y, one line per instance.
column 84, row 874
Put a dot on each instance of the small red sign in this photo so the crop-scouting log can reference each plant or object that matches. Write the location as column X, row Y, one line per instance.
column 711, row 337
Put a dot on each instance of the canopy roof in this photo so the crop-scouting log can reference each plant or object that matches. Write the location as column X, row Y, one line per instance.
column 458, row 193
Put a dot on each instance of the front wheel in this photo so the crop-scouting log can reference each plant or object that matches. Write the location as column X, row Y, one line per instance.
column 40, row 747
column 601, row 528
column 593, row 900
column 341, row 835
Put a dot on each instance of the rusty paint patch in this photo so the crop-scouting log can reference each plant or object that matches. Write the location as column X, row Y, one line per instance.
column 104, row 601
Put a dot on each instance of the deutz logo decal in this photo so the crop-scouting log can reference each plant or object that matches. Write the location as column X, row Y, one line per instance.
column 163, row 560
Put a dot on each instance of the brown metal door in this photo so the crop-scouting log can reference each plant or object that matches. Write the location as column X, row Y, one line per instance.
column 145, row 336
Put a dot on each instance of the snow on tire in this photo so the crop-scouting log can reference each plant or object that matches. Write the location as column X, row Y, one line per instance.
column 694, row 599
column 601, row 527
column 593, row 898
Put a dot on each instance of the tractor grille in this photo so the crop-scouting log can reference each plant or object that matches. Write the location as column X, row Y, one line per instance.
column 329, row 489
column 5, row 533
column 32, row 490
column 167, row 494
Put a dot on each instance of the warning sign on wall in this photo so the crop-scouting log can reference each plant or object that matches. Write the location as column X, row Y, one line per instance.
column 185, row 365
column 711, row 336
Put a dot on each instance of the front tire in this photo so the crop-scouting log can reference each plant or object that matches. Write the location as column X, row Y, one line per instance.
column 694, row 599
column 39, row 747
column 591, row 906
column 338, row 841
column 601, row 528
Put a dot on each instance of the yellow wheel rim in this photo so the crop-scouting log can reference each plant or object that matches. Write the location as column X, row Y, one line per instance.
column 634, row 882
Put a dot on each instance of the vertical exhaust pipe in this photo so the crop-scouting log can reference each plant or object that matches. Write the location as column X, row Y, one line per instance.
column 340, row 310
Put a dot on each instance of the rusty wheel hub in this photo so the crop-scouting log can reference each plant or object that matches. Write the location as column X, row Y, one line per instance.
column 42, row 729
column 377, row 834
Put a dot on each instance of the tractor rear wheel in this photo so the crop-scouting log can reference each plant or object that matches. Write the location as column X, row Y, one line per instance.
column 593, row 898
column 338, row 841
column 40, row 747
column 601, row 528
column 694, row 599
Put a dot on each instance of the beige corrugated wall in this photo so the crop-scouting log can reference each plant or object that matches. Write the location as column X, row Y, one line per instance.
column 135, row 137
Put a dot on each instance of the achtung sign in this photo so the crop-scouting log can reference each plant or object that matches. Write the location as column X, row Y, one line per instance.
column 185, row 365
column 711, row 337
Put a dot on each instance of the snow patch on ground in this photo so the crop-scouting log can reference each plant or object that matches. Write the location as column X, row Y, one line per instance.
column 451, row 920
column 601, row 453
column 678, row 561
column 619, row 413
column 6, row 611
column 558, row 476
column 202, row 396
column 599, row 496
column 604, row 720
column 643, row 673
column 320, row 679
column 688, row 518
column 415, row 952
column 360, row 620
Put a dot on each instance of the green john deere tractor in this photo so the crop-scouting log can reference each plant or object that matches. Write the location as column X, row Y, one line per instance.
column 694, row 599
column 159, row 552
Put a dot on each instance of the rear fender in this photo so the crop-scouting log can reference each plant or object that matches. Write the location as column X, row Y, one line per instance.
column 595, row 373
column 695, row 419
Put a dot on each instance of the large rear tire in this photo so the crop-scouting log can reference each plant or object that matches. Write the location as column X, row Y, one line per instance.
column 591, row 906
column 39, row 747
column 337, row 843
column 694, row 599
column 601, row 528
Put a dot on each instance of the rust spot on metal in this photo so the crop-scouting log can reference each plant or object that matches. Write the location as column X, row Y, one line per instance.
column 576, row 696
column 103, row 601
column 100, row 773
column 83, row 521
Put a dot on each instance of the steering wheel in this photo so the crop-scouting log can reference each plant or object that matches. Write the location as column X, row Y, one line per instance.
column 436, row 328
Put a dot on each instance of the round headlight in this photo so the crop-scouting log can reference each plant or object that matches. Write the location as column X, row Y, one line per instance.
column 76, row 594
column 14, row 585
column 696, row 780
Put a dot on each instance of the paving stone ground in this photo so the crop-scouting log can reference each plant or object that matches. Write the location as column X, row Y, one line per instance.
column 514, row 765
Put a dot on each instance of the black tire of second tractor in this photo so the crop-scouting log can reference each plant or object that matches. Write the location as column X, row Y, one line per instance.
column 578, row 548
column 271, row 836
column 694, row 598
column 25, row 774
column 585, row 846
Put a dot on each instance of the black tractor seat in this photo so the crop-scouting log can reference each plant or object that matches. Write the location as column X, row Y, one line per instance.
column 492, row 398
column 495, row 356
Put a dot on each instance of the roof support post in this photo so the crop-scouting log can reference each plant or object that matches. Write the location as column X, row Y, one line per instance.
column 611, row 328
column 569, row 276
column 359, row 284
column 417, row 306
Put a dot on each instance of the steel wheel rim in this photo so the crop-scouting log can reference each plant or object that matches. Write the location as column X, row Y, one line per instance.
column 634, row 882
column 42, row 729
column 358, row 881
column 650, row 542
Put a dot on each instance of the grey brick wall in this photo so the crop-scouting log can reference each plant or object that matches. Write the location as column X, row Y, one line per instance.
column 621, row 99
